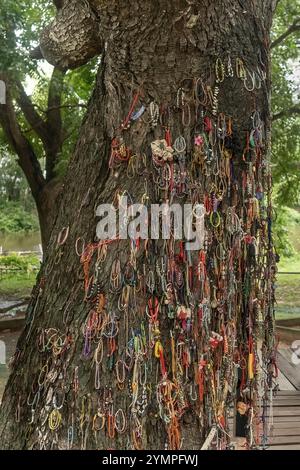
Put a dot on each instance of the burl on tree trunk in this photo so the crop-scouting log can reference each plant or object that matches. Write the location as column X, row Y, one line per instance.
column 142, row 344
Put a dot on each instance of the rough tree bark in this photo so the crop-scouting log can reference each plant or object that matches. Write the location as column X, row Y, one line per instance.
column 154, row 47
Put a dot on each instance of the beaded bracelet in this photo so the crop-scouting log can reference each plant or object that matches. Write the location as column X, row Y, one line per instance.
column 63, row 236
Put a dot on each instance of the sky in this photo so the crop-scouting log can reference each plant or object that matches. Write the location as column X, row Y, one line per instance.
column 30, row 83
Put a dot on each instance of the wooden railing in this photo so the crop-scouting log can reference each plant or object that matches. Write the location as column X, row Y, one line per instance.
column 38, row 252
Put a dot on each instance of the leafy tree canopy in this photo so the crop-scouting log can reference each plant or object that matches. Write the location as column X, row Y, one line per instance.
column 286, row 102
column 21, row 22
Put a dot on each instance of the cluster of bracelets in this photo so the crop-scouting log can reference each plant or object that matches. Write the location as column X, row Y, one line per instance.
column 172, row 336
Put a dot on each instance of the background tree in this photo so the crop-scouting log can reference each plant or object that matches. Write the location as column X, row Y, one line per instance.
column 13, row 186
column 17, row 211
column 40, row 129
column 285, row 102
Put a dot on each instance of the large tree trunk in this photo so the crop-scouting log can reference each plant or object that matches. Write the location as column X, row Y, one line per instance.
column 156, row 48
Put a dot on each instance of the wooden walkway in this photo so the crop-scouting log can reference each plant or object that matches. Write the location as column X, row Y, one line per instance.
column 286, row 410
column 285, row 431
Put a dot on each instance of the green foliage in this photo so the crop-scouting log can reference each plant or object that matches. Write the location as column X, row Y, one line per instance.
column 284, row 221
column 14, row 218
column 77, row 91
column 287, row 234
column 24, row 264
column 288, row 285
column 286, row 90
column 17, row 209
column 286, row 159
column 13, row 185
column 21, row 22
column 17, row 286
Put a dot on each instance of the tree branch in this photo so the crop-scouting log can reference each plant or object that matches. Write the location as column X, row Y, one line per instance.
column 58, row 3
column 295, row 26
column 286, row 112
column 54, row 99
column 36, row 53
column 27, row 158
column 50, row 129
column 54, row 121
column 63, row 106
column 31, row 115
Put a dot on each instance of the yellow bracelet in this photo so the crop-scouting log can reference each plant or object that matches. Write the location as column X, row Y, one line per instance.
column 211, row 219
column 158, row 349
column 250, row 366
column 55, row 419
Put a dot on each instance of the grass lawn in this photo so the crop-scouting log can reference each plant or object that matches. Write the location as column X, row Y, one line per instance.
column 288, row 285
column 288, row 288
column 288, row 296
column 16, row 286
